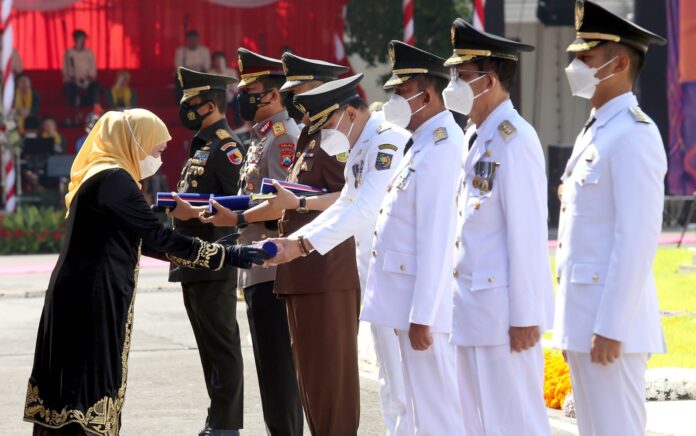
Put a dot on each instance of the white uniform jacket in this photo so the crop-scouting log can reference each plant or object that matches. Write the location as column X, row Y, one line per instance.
column 502, row 271
column 409, row 276
column 371, row 163
column 611, row 216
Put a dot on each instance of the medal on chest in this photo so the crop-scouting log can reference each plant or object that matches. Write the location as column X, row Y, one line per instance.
column 484, row 173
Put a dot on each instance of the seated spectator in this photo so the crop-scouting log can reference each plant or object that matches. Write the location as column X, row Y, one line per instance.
column 121, row 95
column 90, row 121
column 80, row 73
column 193, row 55
column 49, row 130
column 26, row 101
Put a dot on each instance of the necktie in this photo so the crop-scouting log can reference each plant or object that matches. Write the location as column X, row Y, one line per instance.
column 589, row 124
column 472, row 139
column 408, row 145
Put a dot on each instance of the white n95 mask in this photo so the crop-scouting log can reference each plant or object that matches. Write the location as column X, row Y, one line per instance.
column 583, row 78
column 397, row 110
column 150, row 164
column 333, row 141
column 459, row 95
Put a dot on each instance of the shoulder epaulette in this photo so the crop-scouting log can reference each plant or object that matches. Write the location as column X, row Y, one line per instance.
column 507, row 130
column 639, row 115
column 222, row 134
column 440, row 134
column 278, row 128
column 383, row 127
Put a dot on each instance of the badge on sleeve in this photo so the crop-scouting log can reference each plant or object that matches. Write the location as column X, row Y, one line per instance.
column 383, row 161
column 235, row 156
column 287, row 155
column 388, row 147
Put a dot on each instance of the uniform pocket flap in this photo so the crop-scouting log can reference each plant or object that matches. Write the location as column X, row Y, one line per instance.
column 489, row 279
column 589, row 178
column 589, row 274
column 400, row 263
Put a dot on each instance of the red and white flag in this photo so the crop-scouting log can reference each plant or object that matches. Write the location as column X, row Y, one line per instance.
column 407, row 7
column 479, row 14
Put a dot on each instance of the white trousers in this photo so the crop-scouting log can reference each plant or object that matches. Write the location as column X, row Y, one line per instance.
column 609, row 400
column 502, row 392
column 392, row 393
column 431, row 389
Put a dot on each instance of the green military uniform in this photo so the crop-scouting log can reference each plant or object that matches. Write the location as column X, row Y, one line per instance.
column 213, row 167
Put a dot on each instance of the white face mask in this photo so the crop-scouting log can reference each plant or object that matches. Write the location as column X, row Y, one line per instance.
column 333, row 141
column 397, row 110
column 459, row 95
column 150, row 164
column 583, row 78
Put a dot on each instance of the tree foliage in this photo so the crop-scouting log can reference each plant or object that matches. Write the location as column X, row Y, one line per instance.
column 370, row 25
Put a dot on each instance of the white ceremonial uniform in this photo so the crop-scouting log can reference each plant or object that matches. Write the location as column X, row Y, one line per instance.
column 371, row 163
column 409, row 276
column 611, row 215
column 502, row 277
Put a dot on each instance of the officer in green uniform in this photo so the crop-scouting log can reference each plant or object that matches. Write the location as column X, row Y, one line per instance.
column 213, row 167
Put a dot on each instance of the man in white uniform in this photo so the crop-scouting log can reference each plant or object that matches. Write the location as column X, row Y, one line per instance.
column 409, row 282
column 607, row 318
column 503, row 294
column 375, row 150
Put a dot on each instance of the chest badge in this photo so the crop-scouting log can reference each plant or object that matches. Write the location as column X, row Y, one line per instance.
column 484, row 173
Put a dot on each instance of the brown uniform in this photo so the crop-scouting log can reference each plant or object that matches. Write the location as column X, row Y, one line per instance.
column 322, row 297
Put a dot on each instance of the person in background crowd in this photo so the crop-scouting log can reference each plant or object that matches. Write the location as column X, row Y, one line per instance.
column 91, row 120
column 193, row 55
column 49, row 129
column 80, row 73
column 26, row 101
column 121, row 95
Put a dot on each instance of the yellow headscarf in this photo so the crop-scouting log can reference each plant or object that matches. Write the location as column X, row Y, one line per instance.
column 110, row 144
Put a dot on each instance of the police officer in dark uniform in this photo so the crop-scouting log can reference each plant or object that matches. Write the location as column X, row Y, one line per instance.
column 213, row 167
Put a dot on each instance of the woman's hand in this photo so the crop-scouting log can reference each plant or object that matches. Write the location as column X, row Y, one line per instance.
column 183, row 210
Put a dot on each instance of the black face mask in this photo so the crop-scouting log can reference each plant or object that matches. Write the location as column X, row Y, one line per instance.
column 189, row 116
column 293, row 111
column 248, row 104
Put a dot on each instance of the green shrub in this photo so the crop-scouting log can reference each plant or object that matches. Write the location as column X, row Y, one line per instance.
column 32, row 230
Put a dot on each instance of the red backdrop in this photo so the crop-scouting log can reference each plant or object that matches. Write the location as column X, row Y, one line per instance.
column 144, row 34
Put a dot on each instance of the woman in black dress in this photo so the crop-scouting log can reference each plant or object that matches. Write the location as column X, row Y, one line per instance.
column 78, row 382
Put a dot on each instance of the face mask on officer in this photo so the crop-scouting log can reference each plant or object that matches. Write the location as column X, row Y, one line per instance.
column 333, row 141
column 397, row 110
column 583, row 79
column 250, row 103
column 148, row 165
column 459, row 95
column 189, row 116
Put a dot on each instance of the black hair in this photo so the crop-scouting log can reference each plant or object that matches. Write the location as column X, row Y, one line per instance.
column 218, row 54
column 504, row 69
column 192, row 34
column 271, row 82
column 635, row 56
column 436, row 82
column 358, row 103
column 218, row 97
column 79, row 33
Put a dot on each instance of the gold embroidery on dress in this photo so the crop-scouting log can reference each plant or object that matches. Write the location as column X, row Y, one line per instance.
column 103, row 418
column 206, row 253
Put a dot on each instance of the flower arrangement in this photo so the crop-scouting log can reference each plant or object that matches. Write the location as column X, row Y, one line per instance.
column 32, row 230
column 556, row 379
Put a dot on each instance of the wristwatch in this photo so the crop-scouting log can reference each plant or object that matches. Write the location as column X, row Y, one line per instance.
column 303, row 205
column 241, row 221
